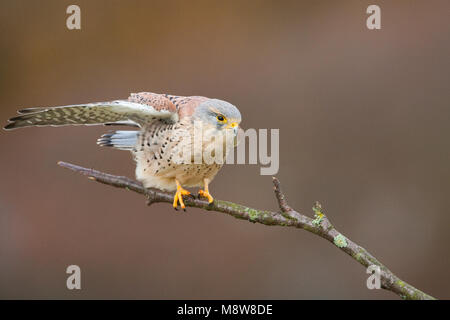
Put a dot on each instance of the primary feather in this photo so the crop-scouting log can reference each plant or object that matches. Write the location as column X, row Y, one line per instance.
column 118, row 111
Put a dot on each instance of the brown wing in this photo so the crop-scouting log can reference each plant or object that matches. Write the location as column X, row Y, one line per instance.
column 184, row 106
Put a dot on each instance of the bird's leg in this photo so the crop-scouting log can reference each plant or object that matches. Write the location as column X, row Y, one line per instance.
column 205, row 193
column 179, row 196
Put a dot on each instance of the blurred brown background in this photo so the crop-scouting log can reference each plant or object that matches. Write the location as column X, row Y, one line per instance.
column 364, row 128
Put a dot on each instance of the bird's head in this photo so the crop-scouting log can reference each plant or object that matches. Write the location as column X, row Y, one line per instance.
column 218, row 114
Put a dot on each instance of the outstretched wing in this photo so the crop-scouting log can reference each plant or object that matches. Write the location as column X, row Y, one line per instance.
column 139, row 109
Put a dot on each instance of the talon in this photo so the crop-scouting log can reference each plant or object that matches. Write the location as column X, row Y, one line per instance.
column 178, row 198
column 205, row 194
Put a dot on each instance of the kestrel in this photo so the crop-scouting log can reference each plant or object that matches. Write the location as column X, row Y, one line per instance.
column 166, row 127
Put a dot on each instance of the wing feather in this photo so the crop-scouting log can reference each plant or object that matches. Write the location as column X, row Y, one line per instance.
column 121, row 112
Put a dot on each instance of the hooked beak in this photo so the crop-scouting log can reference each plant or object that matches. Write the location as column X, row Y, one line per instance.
column 233, row 125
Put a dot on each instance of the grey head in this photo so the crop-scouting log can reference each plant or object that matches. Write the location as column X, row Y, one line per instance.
column 217, row 112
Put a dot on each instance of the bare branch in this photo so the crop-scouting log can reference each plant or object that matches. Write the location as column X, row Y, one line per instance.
column 287, row 217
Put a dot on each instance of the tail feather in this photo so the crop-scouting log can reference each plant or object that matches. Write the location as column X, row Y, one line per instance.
column 123, row 140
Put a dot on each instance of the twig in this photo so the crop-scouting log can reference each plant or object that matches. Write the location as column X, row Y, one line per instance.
column 287, row 217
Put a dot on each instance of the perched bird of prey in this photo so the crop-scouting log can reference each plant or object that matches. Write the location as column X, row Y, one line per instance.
column 167, row 127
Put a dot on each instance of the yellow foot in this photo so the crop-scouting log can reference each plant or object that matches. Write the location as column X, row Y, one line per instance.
column 179, row 197
column 205, row 194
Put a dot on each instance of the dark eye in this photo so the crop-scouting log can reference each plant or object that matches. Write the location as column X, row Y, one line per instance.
column 221, row 118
